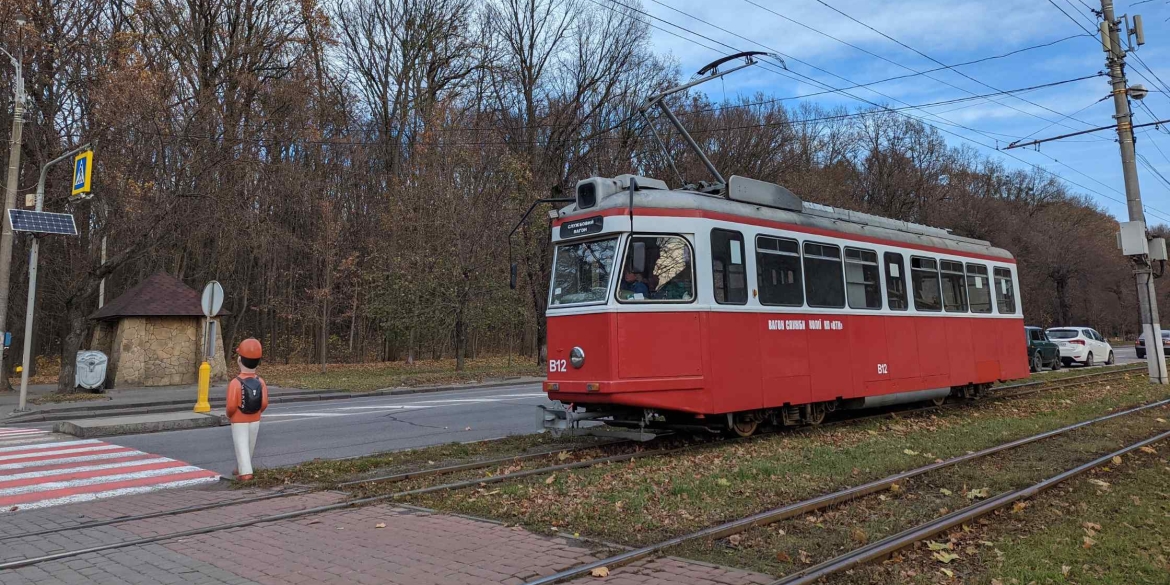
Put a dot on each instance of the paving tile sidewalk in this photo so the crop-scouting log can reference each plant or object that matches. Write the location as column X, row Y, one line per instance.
column 367, row 545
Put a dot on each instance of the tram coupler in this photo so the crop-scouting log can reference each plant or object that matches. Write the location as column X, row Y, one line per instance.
column 558, row 419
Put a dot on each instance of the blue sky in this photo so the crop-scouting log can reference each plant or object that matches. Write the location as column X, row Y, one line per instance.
column 951, row 31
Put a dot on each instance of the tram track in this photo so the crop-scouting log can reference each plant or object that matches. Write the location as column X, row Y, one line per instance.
column 1032, row 388
column 822, row 502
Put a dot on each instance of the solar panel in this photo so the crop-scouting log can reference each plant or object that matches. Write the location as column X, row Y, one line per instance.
column 42, row 222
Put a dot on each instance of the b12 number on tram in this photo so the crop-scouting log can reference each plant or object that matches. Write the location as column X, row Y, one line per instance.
column 557, row 366
column 883, row 369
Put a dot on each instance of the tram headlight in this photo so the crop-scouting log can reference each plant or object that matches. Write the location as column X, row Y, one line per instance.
column 577, row 357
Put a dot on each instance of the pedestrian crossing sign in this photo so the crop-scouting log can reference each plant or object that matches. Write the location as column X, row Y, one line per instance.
column 82, row 171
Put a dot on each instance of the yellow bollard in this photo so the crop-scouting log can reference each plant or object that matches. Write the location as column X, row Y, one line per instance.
column 201, row 404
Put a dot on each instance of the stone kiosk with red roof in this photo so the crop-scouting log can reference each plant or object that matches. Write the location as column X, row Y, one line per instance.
column 153, row 335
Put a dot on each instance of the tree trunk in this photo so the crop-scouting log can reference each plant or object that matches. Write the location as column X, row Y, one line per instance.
column 70, row 345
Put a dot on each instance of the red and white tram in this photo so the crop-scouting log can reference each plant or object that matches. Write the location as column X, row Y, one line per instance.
column 749, row 306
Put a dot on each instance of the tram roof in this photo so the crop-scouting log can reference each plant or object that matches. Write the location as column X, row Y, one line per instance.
column 811, row 215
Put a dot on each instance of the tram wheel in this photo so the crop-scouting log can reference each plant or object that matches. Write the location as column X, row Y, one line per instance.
column 743, row 427
column 938, row 401
column 816, row 414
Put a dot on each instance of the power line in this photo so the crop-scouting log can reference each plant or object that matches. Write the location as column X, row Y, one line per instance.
column 1069, row 16
column 908, row 47
column 944, row 130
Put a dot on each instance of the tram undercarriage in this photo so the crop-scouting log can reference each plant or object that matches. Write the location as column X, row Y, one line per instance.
column 648, row 423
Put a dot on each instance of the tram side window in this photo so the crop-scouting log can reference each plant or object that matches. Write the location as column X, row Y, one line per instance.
column 861, row 279
column 728, row 269
column 954, row 287
column 978, row 288
column 822, row 276
column 924, row 279
column 896, row 282
column 1005, row 291
column 667, row 275
column 778, row 272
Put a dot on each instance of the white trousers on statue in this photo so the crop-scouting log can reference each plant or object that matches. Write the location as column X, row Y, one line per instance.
column 244, row 438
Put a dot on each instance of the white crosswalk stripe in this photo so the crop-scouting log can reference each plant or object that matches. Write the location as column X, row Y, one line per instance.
column 51, row 473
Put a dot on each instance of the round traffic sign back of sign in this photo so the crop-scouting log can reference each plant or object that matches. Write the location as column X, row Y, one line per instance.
column 212, row 299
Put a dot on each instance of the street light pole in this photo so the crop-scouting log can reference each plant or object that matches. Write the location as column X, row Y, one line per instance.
column 14, row 150
column 32, row 277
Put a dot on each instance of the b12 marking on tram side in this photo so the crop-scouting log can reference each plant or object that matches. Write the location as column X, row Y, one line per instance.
column 557, row 366
column 801, row 325
column 883, row 368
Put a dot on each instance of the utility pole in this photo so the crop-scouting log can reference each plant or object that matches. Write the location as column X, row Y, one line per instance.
column 1143, row 273
column 14, row 148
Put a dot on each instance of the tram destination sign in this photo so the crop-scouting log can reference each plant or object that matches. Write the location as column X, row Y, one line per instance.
column 582, row 227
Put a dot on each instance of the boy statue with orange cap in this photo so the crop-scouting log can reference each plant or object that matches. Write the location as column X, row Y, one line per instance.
column 247, row 397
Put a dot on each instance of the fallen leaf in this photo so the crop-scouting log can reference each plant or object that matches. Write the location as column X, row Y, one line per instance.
column 1099, row 483
column 979, row 493
column 804, row 557
column 895, row 488
column 1136, row 500
column 734, row 539
column 1149, row 450
column 1161, row 420
column 932, row 545
column 467, row 428
column 600, row 572
column 944, row 557
column 783, row 557
column 945, row 492
column 562, row 455
column 1019, row 507
column 909, row 452
column 996, row 582
column 723, row 482
column 380, row 525
column 551, row 479
column 1064, row 569
column 1088, row 542
column 1117, row 460
column 947, row 572
column 860, row 536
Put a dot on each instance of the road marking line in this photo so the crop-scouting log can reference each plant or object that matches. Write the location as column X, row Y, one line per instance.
column 85, row 470
column 88, row 497
column 89, row 481
column 152, row 481
column 42, row 455
column 54, row 445
column 78, row 459
column 71, row 463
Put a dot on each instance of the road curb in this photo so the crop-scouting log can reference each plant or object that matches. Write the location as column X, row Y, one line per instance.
column 138, row 424
column 101, row 410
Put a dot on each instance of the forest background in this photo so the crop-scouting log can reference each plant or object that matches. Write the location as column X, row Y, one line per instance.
column 349, row 170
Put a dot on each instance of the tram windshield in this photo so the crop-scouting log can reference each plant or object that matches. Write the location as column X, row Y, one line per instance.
column 581, row 272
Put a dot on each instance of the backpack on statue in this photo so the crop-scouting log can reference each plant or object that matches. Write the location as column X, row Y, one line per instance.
column 251, row 395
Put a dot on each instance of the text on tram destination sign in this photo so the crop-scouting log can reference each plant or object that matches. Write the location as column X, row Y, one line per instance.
column 582, row 227
column 805, row 324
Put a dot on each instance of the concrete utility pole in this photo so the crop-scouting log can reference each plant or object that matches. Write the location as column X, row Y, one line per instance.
column 14, row 148
column 1143, row 273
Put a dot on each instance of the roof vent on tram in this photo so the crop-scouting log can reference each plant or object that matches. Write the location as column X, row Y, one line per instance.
column 594, row 189
column 762, row 193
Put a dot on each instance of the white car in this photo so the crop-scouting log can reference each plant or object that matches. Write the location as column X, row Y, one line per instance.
column 1082, row 345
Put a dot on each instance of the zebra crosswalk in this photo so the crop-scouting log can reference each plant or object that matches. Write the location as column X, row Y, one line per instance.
column 50, row 473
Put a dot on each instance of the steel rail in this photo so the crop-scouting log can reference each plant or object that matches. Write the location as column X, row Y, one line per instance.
column 819, row 502
column 1060, row 383
column 896, row 542
column 285, row 494
column 159, row 514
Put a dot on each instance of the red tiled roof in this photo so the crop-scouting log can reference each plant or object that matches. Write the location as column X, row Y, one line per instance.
column 161, row 295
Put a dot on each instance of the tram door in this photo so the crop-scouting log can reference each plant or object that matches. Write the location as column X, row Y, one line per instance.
column 901, row 332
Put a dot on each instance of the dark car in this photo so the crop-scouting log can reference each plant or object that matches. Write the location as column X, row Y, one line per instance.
column 1042, row 353
column 1140, row 344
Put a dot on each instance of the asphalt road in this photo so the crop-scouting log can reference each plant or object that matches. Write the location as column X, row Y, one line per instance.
column 298, row 432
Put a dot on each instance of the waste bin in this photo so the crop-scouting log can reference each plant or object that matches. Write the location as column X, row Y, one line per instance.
column 91, row 369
